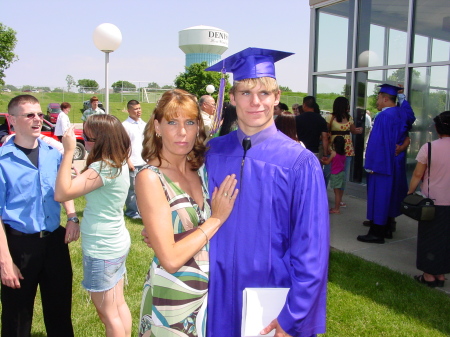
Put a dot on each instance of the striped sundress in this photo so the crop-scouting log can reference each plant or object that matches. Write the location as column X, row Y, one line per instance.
column 175, row 304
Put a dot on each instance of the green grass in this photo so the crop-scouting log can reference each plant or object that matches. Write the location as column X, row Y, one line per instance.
column 364, row 299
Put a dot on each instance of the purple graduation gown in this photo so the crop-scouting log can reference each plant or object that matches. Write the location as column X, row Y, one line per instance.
column 276, row 236
column 386, row 186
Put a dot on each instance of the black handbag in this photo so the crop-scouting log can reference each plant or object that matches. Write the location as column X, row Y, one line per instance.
column 417, row 206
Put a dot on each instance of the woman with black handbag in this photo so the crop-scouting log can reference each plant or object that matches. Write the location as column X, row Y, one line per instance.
column 433, row 237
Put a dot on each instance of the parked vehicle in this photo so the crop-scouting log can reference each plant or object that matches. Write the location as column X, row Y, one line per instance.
column 53, row 110
column 48, row 129
column 6, row 90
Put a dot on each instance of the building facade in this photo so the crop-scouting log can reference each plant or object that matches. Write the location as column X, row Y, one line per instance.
column 356, row 45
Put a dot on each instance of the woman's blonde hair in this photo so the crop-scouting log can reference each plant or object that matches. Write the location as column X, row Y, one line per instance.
column 112, row 144
column 168, row 107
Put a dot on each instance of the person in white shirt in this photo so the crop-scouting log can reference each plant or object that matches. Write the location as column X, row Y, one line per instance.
column 367, row 127
column 134, row 126
column 63, row 121
column 207, row 107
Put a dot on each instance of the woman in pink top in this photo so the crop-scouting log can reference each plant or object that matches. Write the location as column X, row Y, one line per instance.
column 433, row 238
column 337, row 180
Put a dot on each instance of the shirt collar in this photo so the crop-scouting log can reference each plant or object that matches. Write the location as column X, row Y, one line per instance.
column 258, row 137
column 132, row 121
column 9, row 146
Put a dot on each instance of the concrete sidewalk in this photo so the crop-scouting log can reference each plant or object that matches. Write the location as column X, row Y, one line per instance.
column 398, row 254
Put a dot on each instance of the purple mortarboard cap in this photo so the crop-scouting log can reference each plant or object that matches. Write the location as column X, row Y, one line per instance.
column 390, row 89
column 250, row 63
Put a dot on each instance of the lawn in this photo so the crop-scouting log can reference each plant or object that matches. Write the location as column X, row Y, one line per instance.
column 364, row 299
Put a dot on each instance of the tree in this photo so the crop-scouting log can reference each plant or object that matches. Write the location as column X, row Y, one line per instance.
column 57, row 90
column 168, row 87
column 153, row 85
column 44, row 89
column 125, row 85
column 86, row 84
column 8, row 42
column 285, row 89
column 11, row 87
column 195, row 79
column 70, row 82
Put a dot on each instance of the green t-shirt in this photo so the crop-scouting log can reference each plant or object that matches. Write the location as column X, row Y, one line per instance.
column 103, row 231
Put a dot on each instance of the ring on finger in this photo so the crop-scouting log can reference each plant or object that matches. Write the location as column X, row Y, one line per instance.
column 225, row 194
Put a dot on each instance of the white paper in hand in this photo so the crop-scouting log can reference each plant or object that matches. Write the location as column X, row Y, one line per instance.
column 260, row 306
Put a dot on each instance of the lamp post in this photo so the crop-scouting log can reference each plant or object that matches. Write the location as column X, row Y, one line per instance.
column 107, row 38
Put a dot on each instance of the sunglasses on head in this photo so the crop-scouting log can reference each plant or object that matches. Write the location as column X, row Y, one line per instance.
column 32, row 115
column 88, row 139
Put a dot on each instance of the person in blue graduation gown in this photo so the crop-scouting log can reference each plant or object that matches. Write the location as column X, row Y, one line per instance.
column 278, row 232
column 386, row 179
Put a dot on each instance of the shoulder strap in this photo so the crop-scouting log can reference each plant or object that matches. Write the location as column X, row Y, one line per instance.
column 429, row 165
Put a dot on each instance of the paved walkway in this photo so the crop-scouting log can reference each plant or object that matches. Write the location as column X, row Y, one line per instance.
column 398, row 254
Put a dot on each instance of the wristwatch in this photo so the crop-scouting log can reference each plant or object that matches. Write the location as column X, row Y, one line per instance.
column 74, row 219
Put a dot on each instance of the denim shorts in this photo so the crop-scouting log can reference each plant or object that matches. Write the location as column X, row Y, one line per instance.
column 101, row 275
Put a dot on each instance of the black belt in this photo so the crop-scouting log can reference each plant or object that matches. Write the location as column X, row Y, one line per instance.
column 342, row 133
column 12, row 231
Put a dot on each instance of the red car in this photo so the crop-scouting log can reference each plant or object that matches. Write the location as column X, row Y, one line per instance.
column 48, row 129
column 53, row 110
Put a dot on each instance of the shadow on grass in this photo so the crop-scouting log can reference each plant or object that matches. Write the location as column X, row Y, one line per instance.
column 396, row 292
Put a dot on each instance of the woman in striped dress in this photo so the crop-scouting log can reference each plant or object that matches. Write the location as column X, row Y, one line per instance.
column 172, row 196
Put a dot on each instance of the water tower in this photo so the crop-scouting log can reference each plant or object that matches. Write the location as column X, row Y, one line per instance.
column 203, row 43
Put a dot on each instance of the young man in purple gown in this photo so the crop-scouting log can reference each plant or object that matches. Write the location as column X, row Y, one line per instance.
column 277, row 235
column 386, row 163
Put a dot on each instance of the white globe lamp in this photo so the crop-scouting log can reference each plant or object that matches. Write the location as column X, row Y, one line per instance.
column 107, row 38
column 210, row 89
column 366, row 58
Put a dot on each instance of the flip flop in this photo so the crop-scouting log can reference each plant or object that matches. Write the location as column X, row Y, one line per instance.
column 421, row 279
column 333, row 211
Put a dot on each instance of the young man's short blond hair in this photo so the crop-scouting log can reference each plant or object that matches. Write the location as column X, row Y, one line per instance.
column 268, row 82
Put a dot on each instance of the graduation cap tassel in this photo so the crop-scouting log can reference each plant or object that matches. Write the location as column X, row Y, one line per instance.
column 220, row 98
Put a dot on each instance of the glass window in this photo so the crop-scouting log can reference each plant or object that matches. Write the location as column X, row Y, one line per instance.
column 333, row 37
column 429, row 97
column 432, row 21
column 382, row 34
column 330, row 87
column 421, row 49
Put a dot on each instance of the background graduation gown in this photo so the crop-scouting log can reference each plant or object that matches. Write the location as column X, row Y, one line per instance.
column 276, row 236
column 389, row 173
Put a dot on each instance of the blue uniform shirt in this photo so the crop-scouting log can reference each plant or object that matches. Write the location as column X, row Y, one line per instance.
column 27, row 201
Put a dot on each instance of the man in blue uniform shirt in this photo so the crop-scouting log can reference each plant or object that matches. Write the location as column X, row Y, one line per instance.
column 277, row 235
column 385, row 163
column 33, row 245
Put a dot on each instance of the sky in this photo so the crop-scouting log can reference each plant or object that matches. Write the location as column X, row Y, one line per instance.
column 55, row 37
